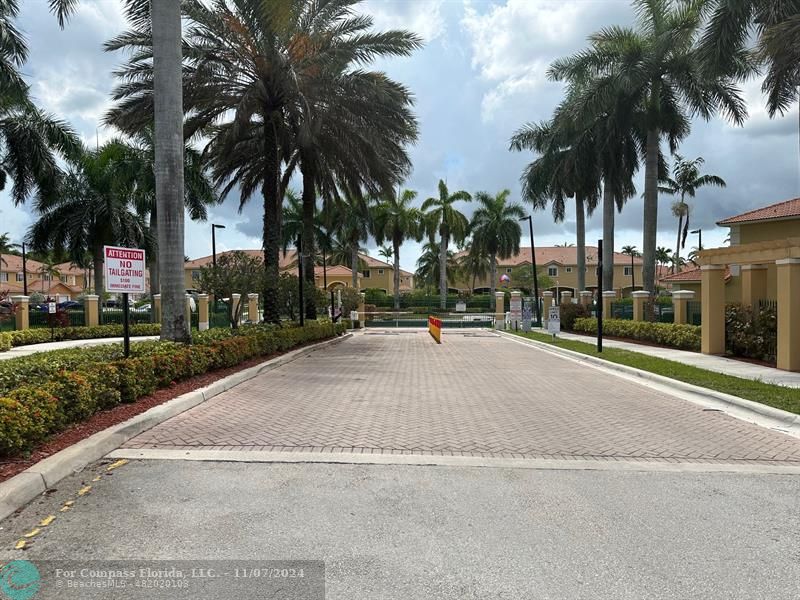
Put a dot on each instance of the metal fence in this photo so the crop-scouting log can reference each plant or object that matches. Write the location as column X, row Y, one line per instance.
column 408, row 319
column 37, row 318
column 8, row 323
column 693, row 313
column 76, row 317
column 622, row 310
column 768, row 305
column 115, row 316
column 218, row 315
column 659, row 313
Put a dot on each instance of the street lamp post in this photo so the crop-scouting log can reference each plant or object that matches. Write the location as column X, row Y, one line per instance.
column 699, row 233
column 24, row 271
column 535, row 279
column 214, row 228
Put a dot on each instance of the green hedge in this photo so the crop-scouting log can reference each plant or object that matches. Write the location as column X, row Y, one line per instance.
column 683, row 337
column 44, row 393
column 41, row 335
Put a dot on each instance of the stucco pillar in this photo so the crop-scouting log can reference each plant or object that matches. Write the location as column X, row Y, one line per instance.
column 252, row 307
column 202, row 312
column 157, row 308
column 566, row 297
column 91, row 309
column 640, row 298
column 516, row 324
column 680, row 301
column 187, row 310
column 586, row 297
column 547, row 302
column 235, row 299
column 499, row 310
column 788, row 315
column 22, row 316
column 754, row 284
column 608, row 298
column 712, row 300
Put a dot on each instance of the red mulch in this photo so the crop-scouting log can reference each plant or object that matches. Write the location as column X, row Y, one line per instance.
column 104, row 419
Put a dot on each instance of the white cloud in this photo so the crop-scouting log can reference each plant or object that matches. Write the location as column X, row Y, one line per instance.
column 423, row 17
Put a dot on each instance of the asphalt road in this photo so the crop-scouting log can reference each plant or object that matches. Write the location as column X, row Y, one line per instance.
column 407, row 532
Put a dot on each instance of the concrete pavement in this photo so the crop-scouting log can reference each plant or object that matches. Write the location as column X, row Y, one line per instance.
column 18, row 351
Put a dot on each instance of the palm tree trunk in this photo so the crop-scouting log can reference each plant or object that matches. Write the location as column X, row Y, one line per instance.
column 153, row 258
column 97, row 263
column 271, row 228
column 493, row 275
column 309, row 204
column 650, row 220
column 168, row 106
column 580, row 234
column 443, row 269
column 354, row 265
column 608, row 236
column 675, row 265
column 396, row 245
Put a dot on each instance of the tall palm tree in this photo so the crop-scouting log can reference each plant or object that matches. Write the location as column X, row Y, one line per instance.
column 48, row 271
column 495, row 228
column 91, row 207
column 633, row 253
column 5, row 247
column 429, row 265
column 352, row 225
column 474, row 262
column 396, row 221
column 386, row 252
column 291, row 220
column 685, row 181
column 442, row 217
column 657, row 72
column 663, row 255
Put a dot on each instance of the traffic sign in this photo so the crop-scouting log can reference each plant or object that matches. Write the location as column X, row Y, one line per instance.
column 124, row 270
column 51, row 308
column 554, row 320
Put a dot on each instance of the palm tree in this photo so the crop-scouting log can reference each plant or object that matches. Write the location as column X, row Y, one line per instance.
column 474, row 262
column 656, row 71
column 386, row 253
column 633, row 253
column 685, row 181
column 5, row 247
column 429, row 265
column 48, row 271
column 91, row 207
column 352, row 218
column 397, row 221
column 443, row 217
column 291, row 220
column 495, row 228
column 663, row 255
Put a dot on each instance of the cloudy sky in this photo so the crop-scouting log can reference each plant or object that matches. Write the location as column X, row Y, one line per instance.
column 480, row 76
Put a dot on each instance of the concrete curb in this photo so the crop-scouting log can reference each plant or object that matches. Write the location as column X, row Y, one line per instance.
column 24, row 487
column 746, row 410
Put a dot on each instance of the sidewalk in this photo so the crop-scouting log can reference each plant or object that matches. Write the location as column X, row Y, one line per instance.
column 35, row 348
column 719, row 364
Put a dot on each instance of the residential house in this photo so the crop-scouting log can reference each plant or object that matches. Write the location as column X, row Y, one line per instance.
column 68, row 285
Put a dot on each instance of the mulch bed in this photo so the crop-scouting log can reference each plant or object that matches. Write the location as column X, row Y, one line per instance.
column 104, row 419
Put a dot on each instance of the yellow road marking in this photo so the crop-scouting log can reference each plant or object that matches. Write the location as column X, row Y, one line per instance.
column 69, row 502
column 33, row 532
column 84, row 490
column 119, row 463
column 47, row 520
column 20, row 545
column 64, row 509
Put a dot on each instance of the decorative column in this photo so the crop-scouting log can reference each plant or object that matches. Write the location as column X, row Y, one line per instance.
column 202, row 312
column 515, row 324
column 586, row 297
column 187, row 310
column 235, row 299
column 788, row 315
column 754, row 284
column 566, row 297
column 499, row 310
column 91, row 309
column 680, row 302
column 712, row 310
column 608, row 299
column 22, row 316
column 640, row 298
column 157, row 308
column 252, row 308
column 547, row 302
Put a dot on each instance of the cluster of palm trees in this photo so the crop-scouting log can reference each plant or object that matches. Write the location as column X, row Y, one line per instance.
column 635, row 89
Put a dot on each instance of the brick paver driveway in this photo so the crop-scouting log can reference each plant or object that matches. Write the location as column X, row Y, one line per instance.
column 476, row 394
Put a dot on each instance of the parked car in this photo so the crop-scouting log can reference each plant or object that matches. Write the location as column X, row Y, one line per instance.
column 69, row 304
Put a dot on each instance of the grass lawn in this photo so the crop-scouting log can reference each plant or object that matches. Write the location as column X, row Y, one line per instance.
column 772, row 395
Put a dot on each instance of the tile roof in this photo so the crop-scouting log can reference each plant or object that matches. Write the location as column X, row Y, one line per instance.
column 691, row 275
column 559, row 254
column 285, row 260
column 782, row 210
column 12, row 263
column 333, row 271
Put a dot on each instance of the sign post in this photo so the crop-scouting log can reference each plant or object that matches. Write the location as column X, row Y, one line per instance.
column 554, row 324
column 51, row 311
column 124, row 270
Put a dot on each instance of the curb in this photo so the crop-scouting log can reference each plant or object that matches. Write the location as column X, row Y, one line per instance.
column 25, row 486
column 740, row 408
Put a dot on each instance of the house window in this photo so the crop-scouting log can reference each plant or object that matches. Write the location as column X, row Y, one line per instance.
column 20, row 277
column 569, row 269
column 509, row 270
column 45, row 276
column 3, row 276
column 380, row 271
column 552, row 271
column 365, row 274
column 195, row 275
column 627, row 271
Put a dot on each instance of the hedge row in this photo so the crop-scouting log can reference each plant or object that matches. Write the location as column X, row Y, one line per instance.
column 684, row 337
column 57, row 398
column 42, row 335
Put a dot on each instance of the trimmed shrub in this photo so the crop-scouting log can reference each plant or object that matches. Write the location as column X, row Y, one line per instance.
column 5, row 341
column 570, row 312
column 751, row 333
column 43, row 335
column 684, row 337
column 75, row 398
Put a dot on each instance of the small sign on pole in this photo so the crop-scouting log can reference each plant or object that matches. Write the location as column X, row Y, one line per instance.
column 124, row 271
column 527, row 310
column 554, row 323
column 51, row 308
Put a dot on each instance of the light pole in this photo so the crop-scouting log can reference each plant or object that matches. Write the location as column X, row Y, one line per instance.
column 24, row 271
column 214, row 228
column 699, row 233
column 529, row 218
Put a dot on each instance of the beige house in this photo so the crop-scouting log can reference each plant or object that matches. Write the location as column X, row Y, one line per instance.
column 761, row 263
column 70, row 283
column 560, row 264
column 377, row 274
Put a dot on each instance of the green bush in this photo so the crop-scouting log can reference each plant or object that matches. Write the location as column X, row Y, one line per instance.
column 26, row 416
column 76, row 401
column 43, row 335
column 570, row 312
column 751, row 333
column 5, row 341
column 684, row 337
